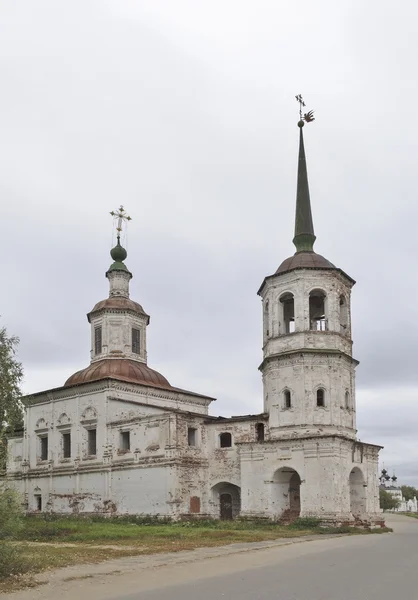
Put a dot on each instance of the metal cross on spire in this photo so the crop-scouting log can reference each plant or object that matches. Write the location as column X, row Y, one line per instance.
column 308, row 117
column 121, row 217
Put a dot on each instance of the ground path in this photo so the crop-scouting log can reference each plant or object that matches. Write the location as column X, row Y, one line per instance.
column 370, row 567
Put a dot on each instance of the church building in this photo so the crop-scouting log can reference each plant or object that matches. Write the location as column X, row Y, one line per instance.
column 119, row 438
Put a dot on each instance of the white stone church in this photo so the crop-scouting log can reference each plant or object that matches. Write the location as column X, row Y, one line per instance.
column 118, row 438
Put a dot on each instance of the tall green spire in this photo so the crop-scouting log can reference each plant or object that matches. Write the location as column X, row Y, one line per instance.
column 304, row 230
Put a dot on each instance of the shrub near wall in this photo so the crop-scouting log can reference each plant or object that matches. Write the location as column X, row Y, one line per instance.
column 11, row 562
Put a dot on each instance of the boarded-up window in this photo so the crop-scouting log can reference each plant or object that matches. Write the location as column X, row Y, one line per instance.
column 195, row 504
column 97, row 340
column 225, row 440
column 136, row 338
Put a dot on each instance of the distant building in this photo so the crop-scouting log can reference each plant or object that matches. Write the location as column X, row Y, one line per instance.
column 389, row 484
column 118, row 438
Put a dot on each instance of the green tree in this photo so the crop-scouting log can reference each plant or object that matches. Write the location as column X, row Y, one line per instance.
column 408, row 492
column 387, row 501
column 11, row 407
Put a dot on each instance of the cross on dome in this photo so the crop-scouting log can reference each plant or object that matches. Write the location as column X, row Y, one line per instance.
column 121, row 217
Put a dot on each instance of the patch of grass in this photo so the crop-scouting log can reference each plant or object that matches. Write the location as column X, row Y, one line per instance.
column 52, row 542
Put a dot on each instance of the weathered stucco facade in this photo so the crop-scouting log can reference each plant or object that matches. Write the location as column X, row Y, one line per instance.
column 118, row 438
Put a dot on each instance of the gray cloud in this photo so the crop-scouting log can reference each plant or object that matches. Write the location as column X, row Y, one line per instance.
column 184, row 112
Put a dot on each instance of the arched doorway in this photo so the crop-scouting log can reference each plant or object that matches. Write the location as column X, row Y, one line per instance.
column 226, row 498
column 357, row 493
column 286, row 493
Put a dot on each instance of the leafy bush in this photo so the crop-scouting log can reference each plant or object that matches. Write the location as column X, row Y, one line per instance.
column 10, row 512
column 11, row 560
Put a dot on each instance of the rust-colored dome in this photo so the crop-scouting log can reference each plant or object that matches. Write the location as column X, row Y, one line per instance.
column 122, row 369
column 118, row 303
column 304, row 260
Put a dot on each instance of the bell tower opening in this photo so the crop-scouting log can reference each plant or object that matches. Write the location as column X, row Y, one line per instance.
column 317, row 310
column 288, row 312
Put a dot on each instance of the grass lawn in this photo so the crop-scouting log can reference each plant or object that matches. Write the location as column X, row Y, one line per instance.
column 46, row 543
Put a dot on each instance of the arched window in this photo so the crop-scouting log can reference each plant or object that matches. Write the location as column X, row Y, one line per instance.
column 259, row 432
column 343, row 315
column 225, row 440
column 320, row 397
column 288, row 311
column 266, row 318
column 287, row 399
column 317, row 317
column 347, row 400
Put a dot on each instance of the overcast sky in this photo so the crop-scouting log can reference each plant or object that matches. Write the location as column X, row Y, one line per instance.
column 184, row 111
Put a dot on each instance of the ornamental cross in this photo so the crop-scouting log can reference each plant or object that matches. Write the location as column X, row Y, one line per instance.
column 308, row 117
column 121, row 217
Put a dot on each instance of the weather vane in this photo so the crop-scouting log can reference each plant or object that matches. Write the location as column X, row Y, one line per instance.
column 121, row 217
column 308, row 117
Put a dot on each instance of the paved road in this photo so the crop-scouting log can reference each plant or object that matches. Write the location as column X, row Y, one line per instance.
column 369, row 567
column 381, row 567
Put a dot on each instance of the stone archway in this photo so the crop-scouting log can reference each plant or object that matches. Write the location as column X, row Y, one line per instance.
column 357, row 493
column 286, row 501
column 226, row 498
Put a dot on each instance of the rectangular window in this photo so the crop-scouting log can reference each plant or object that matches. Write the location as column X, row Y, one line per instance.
column 38, row 502
column 91, row 442
column 192, row 436
column 66, row 445
column 136, row 336
column 44, row 447
column 97, row 340
column 125, row 440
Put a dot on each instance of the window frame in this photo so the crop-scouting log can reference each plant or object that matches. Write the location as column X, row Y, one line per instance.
column 287, row 394
column 66, row 448
column 123, row 436
column 320, row 402
column 89, row 441
column 38, row 502
column 43, row 447
column 192, row 430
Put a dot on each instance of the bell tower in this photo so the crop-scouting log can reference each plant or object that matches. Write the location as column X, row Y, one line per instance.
column 118, row 324
column 308, row 369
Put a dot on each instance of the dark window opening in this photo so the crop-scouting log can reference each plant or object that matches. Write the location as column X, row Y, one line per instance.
column 191, row 436
column 91, row 442
column 44, row 447
column 38, row 502
column 288, row 303
column 97, row 340
column 317, row 318
column 225, row 440
column 320, row 397
column 125, row 440
column 66, row 445
column 136, row 338
column 287, row 399
column 259, row 432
